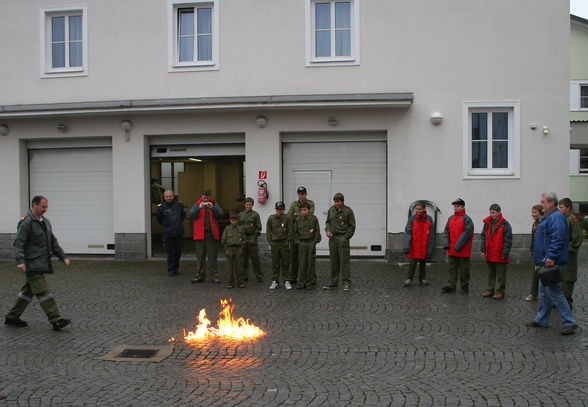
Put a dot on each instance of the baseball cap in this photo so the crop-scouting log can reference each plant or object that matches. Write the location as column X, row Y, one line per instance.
column 301, row 190
column 280, row 205
column 458, row 201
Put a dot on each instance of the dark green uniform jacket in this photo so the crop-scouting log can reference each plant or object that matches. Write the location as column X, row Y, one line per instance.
column 251, row 223
column 233, row 236
column 277, row 228
column 576, row 235
column 341, row 222
column 34, row 245
column 307, row 229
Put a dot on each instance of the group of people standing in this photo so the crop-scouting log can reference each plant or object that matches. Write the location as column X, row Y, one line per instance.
column 556, row 238
column 292, row 236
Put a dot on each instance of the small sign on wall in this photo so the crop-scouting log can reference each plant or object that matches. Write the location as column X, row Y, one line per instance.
column 262, row 174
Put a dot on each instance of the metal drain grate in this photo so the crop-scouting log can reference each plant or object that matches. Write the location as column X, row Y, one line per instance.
column 135, row 353
column 138, row 353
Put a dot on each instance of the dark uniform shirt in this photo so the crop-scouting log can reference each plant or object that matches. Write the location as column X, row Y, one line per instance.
column 250, row 222
column 307, row 228
column 277, row 228
column 233, row 235
column 341, row 222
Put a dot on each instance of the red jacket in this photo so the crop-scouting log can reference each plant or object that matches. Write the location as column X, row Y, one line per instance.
column 497, row 247
column 198, row 214
column 418, row 237
column 458, row 235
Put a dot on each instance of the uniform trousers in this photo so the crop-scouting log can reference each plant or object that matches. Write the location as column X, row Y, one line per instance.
column 234, row 266
column 339, row 253
column 412, row 265
column 173, row 250
column 295, row 264
column 251, row 250
column 36, row 286
column 535, row 283
column 206, row 248
column 459, row 267
column 570, row 275
column 280, row 260
column 306, row 259
column 496, row 276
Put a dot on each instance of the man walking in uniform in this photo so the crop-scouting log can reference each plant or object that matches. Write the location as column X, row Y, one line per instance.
column 570, row 272
column 33, row 247
column 294, row 213
column 340, row 227
column 171, row 215
column 206, row 214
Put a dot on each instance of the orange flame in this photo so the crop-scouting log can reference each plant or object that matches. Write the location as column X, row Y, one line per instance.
column 228, row 327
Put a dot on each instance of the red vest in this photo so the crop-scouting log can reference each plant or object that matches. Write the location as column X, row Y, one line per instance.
column 199, row 224
column 421, row 229
column 495, row 243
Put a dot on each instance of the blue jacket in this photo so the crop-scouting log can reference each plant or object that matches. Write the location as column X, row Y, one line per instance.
column 171, row 217
column 552, row 239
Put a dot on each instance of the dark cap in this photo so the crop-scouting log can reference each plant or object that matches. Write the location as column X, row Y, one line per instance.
column 206, row 192
column 458, row 201
column 301, row 190
column 280, row 205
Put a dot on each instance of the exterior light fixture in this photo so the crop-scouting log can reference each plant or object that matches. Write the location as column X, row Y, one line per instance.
column 3, row 130
column 127, row 126
column 436, row 118
column 545, row 130
column 261, row 121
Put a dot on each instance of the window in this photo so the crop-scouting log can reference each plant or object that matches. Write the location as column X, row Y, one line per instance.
column 332, row 36
column 193, row 35
column 583, row 96
column 491, row 140
column 579, row 161
column 63, row 42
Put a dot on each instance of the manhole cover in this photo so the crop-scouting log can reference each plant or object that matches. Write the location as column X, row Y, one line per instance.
column 134, row 353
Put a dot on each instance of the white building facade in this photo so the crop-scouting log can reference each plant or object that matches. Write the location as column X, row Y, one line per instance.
column 102, row 103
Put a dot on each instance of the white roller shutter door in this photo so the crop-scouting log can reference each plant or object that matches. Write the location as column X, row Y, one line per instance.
column 78, row 185
column 357, row 169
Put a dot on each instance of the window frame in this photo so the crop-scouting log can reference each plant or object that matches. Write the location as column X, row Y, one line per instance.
column 513, row 169
column 174, row 63
column 45, row 16
column 576, row 95
column 310, row 38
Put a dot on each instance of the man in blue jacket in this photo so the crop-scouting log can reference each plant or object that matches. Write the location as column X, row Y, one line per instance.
column 551, row 248
column 170, row 215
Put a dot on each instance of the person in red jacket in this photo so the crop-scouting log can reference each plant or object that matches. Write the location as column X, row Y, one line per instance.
column 206, row 213
column 495, row 249
column 457, row 240
column 419, row 238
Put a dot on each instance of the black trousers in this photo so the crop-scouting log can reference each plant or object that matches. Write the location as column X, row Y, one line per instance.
column 173, row 250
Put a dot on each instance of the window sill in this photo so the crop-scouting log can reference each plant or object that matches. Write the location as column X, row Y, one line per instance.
column 63, row 73
column 208, row 66
column 332, row 61
column 490, row 174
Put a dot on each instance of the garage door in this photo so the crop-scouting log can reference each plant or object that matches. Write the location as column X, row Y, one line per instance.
column 356, row 169
column 78, row 185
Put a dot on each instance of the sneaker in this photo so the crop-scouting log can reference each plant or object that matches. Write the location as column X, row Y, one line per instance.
column 216, row 280
column 533, row 324
column 16, row 322
column 60, row 324
column 242, row 285
column 229, row 286
column 346, row 287
column 488, row 293
column 197, row 280
column 288, row 285
column 273, row 285
column 407, row 282
column 424, row 282
column 447, row 289
column 330, row 287
column 568, row 330
column 498, row 296
column 531, row 297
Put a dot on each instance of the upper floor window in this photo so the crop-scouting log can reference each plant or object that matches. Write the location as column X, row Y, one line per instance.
column 193, row 34
column 584, row 96
column 332, row 32
column 491, row 140
column 63, row 42
column 579, row 161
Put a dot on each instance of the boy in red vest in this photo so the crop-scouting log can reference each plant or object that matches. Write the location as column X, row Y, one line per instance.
column 206, row 213
column 457, row 240
column 418, row 243
column 495, row 249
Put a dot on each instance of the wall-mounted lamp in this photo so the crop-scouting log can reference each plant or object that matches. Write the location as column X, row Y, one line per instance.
column 261, row 121
column 332, row 121
column 545, row 130
column 436, row 118
column 3, row 130
column 127, row 126
column 61, row 127
column 533, row 126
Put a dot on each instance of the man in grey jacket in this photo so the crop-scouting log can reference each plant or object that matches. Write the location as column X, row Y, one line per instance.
column 33, row 247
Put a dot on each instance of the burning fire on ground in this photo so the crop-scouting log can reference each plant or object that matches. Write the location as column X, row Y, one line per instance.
column 228, row 327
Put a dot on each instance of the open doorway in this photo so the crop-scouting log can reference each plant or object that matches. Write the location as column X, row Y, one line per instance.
column 187, row 176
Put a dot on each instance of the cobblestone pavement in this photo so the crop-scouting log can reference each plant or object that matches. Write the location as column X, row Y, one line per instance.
column 379, row 344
